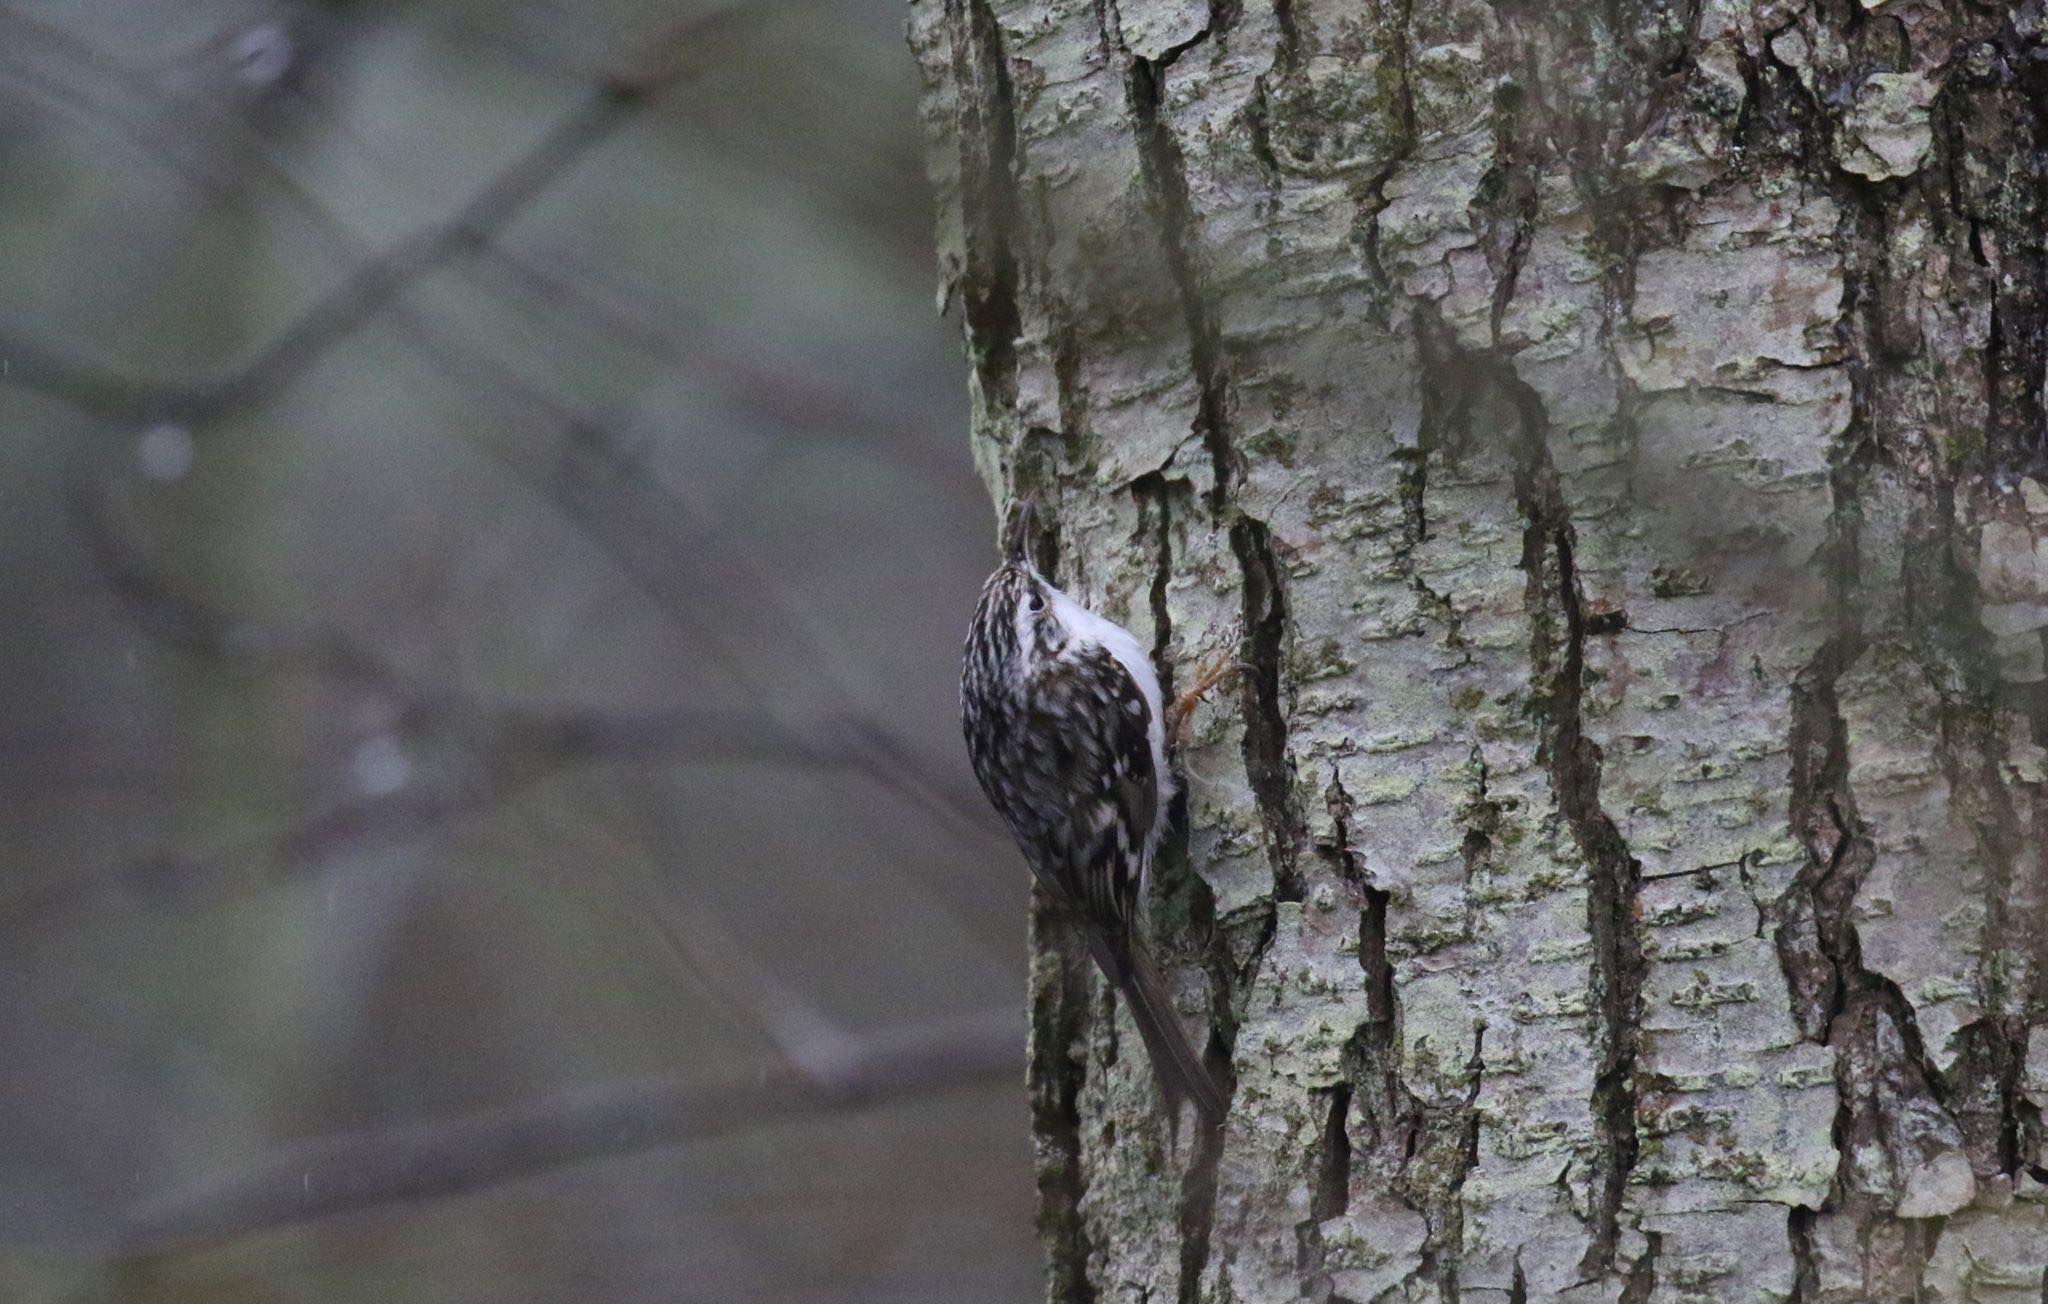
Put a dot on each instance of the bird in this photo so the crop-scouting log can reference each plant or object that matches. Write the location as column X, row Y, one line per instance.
column 1067, row 732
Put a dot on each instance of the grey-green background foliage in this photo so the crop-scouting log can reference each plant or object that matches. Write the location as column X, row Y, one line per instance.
column 487, row 526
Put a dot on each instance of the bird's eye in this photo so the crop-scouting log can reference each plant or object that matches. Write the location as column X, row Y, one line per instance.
column 1038, row 602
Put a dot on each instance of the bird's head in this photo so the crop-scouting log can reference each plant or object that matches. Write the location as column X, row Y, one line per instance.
column 1020, row 608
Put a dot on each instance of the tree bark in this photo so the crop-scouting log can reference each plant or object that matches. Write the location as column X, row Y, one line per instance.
column 1608, row 434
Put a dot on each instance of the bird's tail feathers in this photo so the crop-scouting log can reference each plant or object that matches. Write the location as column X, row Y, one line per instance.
column 1182, row 1074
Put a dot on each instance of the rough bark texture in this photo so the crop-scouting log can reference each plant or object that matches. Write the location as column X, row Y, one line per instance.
column 1609, row 430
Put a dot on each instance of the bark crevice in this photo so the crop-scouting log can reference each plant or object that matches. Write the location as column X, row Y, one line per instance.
column 1163, row 173
column 989, row 160
column 1166, row 188
column 1417, row 1151
column 1267, row 763
column 1329, row 1194
column 1614, row 875
column 1189, row 910
column 1059, row 1069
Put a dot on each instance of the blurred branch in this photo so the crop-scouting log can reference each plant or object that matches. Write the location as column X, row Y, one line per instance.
column 682, row 559
column 772, row 384
column 753, row 995
column 373, row 282
column 646, row 528
column 160, row 121
column 212, row 636
column 686, row 565
column 507, row 752
column 691, row 569
column 496, row 752
column 378, row 281
column 368, row 1170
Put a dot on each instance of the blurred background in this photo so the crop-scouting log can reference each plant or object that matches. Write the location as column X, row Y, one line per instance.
column 488, row 527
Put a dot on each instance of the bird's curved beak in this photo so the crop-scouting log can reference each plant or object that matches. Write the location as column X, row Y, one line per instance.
column 1017, row 532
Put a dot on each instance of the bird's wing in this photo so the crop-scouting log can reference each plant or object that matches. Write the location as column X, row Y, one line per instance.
column 1090, row 703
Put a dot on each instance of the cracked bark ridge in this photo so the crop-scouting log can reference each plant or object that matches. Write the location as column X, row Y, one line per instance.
column 1558, row 632
column 1615, row 437
column 1058, row 1021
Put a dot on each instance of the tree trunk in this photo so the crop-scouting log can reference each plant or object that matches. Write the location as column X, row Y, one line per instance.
column 1606, row 434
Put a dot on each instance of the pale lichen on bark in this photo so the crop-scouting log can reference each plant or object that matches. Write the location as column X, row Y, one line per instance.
column 1610, row 435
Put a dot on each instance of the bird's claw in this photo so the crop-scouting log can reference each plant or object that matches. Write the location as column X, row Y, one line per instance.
column 1215, row 669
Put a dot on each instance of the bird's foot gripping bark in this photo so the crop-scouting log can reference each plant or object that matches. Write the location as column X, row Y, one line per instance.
column 1218, row 667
